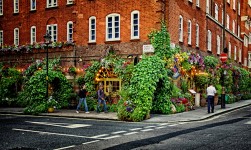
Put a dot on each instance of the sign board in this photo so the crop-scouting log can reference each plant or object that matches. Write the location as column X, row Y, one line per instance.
column 148, row 49
column 192, row 91
column 223, row 57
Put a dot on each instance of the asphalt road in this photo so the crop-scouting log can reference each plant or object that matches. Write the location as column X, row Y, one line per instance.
column 228, row 131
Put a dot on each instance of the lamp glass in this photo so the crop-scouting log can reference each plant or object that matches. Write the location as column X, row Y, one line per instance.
column 47, row 38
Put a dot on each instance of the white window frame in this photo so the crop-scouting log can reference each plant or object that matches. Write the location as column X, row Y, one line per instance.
column 222, row 15
column 228, row 21
column 92, row 29
column 190, row 1
column 207, row 6
column 189, row 32
column 1, row 38
column 240, row 55
column 245, row 41
column 238, row 31
column 135, row 25
column 33, row 35
column 16, row 6
column 53, row 31
column 33, row 2
column 51, row 3
column 234, row 6
column 216, row 15
column 1, row 7
column 209, row 40
column 16, row 36
column 70, row 2
column 249, row 39
column 228, row 1
column 249, row 60
column 197, row 35
column 197, row 3
column 239, row 8
column 180, row 28
column 229, row 50
column 113, row 27
column 70, row 31
column 218, row 44
column 235, row 53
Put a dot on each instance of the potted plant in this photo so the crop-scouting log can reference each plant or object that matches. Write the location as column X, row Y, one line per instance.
column 203, row 100
column 51, row 104
column 218, row 88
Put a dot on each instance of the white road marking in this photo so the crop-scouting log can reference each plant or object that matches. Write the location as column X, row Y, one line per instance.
column 51, row 133
column 164, row 124
column 135, row 129
column 147, row 130
column 149, row 127
column 161, row 127
column 130, row 133
column 65, row 147
column 249, row 122
column 118, row 132
column 172, row 125
column 64, row 125
column 111, row 137
column 90, row 142
column 101, row 135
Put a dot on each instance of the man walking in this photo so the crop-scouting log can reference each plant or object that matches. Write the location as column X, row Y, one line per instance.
column 210, row 98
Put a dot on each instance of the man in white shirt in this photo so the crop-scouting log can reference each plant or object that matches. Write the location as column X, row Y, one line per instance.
column 211, row 91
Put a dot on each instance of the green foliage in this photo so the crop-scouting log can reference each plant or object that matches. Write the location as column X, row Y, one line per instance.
column 201, row 80
column 218, row 88
column 81, row 80
column 211, row 62
column 180, row 108
column 90, row 74
column 244, row 80
column 161, row 42
column 184, row 86
column 147, row 73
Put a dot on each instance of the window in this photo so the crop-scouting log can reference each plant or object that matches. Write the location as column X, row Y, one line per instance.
column 216, row 11
column 1, row 38
column 33, row 34
column 189, row 32
column 240, row 56
column 70, row 1
column 249, row 39
column 92, row 29
column 249, row 60
column 218, row 44
column 234, row 6
column 235, row 53
column 197, row 35
column 245, row 41
column 16, row 6
column 135, row 25
column 229, row 49
column 209, row 40
column 222, row 16
column 52, row 30
column 33, row 4
column 51, row 3
column 247, row 25
column 16, row 36
column 207, row 7
column 181, row 29
column 113, row 27
column 190, row 1
column 227, row 21
column 233, row 26
column 228, row 1
column 1, row 7
column 70, row 31
column 239, row 8
column 198, row 3
column 238, row 32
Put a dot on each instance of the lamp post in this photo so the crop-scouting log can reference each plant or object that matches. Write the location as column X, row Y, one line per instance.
column 47, row 40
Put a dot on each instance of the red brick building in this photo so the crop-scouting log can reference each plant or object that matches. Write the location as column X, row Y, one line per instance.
column 99, row 25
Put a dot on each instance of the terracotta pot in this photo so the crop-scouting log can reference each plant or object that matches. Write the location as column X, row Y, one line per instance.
column 216, row 99
column 203, row 102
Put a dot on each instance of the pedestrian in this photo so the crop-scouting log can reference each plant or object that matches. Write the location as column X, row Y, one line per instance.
column 82, row 99
column 101, row 99
column 210, row 97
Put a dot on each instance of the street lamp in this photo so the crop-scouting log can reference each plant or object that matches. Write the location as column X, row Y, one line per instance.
column 47, row 40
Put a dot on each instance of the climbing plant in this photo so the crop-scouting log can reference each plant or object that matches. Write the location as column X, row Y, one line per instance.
column 89, row 77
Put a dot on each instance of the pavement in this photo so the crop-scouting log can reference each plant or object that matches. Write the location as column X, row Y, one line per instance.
column 200, row 113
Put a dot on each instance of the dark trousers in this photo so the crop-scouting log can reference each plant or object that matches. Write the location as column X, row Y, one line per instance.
column 210, row 102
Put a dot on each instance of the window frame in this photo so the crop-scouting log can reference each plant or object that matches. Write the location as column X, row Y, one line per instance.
column 216, row 12
column 189, row 32
column 229, row 49
column 1, row 7
column 33, row 35
column 197, row 3
column 197, row 35
column 234, row 5
column 113, row 27
column 133, row 25
column 69, row 33
column 16, row 6
column 16, row 36
column 91, row 30
column 234, row 26
column 54, row 36
column 228, row 21
column 31, row 5
column 181, row 28
column 1, row 38
column 209, row 40
column 218, row 44
column 54, row 3
column 240, row 55
column 69, row 2
column 235, row 53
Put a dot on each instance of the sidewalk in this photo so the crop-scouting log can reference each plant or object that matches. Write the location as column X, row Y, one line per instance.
column 199, row 113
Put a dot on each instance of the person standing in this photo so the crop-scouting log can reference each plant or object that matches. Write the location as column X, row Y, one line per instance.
column 82, row 99
column 101, row 99
column 210, row 98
